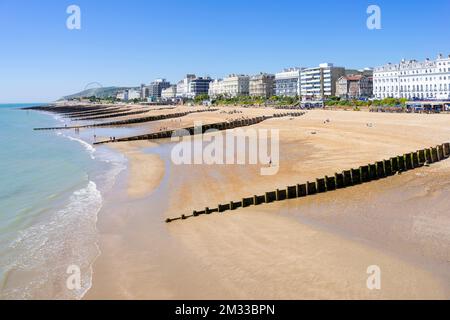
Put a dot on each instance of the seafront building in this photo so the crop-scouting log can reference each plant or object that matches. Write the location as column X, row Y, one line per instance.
column 412, row 79
column 287, row 82
column 120, row 95
column 156, row 87
column 153, row 90
column 232, row 86
column 192, row 86
column 262, row 85
column 320, row 82
column 199, row 86
column 169, row 94
column 129, row 94
column 184, row 86
column 354, row 86
column 216, row 88
column 133, row 94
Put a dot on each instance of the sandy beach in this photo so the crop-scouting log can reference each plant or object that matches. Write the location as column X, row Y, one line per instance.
column 317, row 247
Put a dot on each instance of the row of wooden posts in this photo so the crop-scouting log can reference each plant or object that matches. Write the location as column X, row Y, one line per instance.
column 109, row 115
column 347, row 178
column 64, row 109
column 196, row 130
column 132, row 121
column 91, row 113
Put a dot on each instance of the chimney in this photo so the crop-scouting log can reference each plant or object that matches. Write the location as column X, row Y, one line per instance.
column 440, row 56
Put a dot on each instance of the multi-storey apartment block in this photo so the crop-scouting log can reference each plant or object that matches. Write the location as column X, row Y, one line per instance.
column 154, row 90
column 320, row 82
column 412, row 79
column 287, row 82
column 198, row 86
column 184, row 86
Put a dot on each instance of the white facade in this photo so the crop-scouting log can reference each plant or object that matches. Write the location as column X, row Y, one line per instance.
column 287, row 82
column 320, row 82
column 133, row 94
column 216, row 88
column 429, row 79
column 232, row 86
column 169, row 93
column 120, row 95
column 183, row 87
column 127, row 95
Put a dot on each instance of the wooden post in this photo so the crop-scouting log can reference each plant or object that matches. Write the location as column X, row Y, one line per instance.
column 421, row 154
column 408, row 161
column 311, row 188
column 339, row 180
column 347, row 178
column 365, row 177
column 302, row 190
column 321, row 187
column 291, row 192
column 394, row 164
column 331, row 183
column 356, row 176
column 380, row 169
column 388, row 167
column 401, row 163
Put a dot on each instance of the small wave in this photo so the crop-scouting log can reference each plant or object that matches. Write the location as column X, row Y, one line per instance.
column 38, row 258
column 86, row 145
column 57, row 117
column 116, row 163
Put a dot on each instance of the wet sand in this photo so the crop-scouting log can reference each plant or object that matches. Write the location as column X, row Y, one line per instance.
column 316, row 247
column 145, row 170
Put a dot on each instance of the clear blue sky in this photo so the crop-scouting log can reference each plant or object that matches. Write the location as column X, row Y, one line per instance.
column 135, row 41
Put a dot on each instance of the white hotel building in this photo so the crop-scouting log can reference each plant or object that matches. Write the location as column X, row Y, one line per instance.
column 232, row 86
column 429, row 79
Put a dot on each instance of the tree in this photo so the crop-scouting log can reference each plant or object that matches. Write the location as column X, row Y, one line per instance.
column 201, row 97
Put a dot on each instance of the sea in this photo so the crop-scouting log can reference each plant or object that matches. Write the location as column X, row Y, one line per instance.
column 52, row 187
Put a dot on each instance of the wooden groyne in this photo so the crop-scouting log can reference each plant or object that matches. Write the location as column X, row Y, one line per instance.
column 131, row 121
column 110, row 115
column 347, row 178
column 65, row 109
column 109, row 110
column 95, row 113
column 197, row 130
